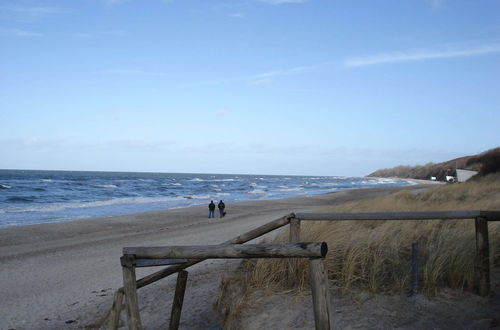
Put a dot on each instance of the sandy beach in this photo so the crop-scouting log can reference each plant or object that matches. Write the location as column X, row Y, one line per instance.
column 63, row 275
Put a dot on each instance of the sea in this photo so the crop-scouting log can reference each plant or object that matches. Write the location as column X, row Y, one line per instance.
column 35, row 197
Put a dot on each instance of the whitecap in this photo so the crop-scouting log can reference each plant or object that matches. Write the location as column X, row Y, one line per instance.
column 4, row 186
column 253, row 184
column 257, row 191
column 106, row 186
column 78, row 205
column 291, row 189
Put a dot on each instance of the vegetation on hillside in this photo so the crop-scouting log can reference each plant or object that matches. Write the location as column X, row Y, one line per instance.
column 486, row 163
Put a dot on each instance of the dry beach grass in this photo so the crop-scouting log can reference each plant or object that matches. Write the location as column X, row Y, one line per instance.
column 374, row 257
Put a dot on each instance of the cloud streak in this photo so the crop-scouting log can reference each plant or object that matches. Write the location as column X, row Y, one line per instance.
column 283, row 72
column 30, row 13
column 418, row 55
column 19, row 33
column 132, row 72
column 281, row 2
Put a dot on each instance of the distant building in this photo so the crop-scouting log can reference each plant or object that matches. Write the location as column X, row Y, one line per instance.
column 464, row 175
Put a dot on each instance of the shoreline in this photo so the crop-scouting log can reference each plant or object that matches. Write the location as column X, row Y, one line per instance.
column 109, row 200
column 68, row 271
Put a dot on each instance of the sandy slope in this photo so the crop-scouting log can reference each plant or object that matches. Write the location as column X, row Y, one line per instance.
column 63, row 275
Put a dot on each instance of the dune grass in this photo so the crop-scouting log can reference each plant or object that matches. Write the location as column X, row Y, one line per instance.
column 375, row 255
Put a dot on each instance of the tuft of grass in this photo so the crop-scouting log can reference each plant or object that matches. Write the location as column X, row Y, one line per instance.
column 375, row 255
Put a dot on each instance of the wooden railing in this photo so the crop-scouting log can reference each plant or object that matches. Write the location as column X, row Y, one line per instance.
column 179, row 258
column 315, row 252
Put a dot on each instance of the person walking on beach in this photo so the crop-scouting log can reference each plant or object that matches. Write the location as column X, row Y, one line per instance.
column 221, row 207
column 211, row 209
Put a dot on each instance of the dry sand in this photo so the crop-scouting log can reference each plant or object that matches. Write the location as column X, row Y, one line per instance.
column 63, row 275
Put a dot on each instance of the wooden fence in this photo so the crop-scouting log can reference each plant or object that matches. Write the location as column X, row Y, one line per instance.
column 178, row 258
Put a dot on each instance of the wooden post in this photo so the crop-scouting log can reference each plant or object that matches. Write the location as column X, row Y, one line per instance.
column 414, row 269
column 130, row 288
column 318, row 277
column 114, row 318
column 175, row 315
column 292, row 263
column 482, row 262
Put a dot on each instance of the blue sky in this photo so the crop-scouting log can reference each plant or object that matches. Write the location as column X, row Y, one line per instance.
column 317, row 87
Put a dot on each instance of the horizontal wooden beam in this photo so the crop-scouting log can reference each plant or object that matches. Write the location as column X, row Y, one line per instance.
column 490, row 215
column 157, row 262
column 428, row 215
column 248, row 236
column 282, row 250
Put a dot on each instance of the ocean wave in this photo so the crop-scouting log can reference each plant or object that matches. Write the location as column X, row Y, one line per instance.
column 46, row 180
column 171, row 184
column 106, row 186
column 291, row 189
column 257, row 191
column 20, row 199
column 81, row 205
column 207, row 196
column 253, row 184
column 212, row 180
column 4, row 186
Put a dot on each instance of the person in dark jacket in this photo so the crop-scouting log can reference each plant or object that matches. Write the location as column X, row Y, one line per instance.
column 221, row 207
column 211, row 209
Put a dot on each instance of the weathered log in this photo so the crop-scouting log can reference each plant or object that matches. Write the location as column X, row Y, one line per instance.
column 130, row 288
column 114, row 318
column 248, row 236
column 428, row 215
column 318, row 278
column 482, row 262
column 259, row 231
column 157, row 262
column 180, row 289
column 292, row 262
column 282, row 250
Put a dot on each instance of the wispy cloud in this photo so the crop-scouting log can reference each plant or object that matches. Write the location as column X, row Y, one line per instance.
column 237, row 15
column 265, row 78
column 115, row 2
column 261, row 79
column 132, row 72
column 418, row 55
column 19, row 33
column 280, row 2
column 212, row 82
column 222, row 113
column 261, row 82
column 437, row 4
column 29, row 13
column 284, row 72
column 112, row 3
column 110, row 33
